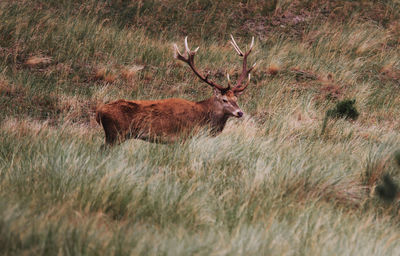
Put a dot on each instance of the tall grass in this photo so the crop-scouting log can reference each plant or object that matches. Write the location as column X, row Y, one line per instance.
column 238, row 193
column 269, row 184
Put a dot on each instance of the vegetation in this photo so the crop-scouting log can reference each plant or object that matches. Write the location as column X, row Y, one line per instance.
column 270, row 184
column 342, row 109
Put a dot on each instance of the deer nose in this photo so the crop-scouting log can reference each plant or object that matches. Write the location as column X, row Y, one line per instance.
column 240, row 114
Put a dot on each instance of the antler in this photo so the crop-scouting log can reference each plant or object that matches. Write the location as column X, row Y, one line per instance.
column 245, row 72
column 190, row 61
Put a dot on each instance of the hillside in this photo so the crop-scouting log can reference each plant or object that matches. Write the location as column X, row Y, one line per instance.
column 293, row 177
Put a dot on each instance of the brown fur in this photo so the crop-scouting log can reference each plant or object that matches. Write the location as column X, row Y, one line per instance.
column 167, row 120
column 163, row 120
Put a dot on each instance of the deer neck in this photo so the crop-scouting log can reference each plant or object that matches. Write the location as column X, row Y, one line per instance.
column 213, row 114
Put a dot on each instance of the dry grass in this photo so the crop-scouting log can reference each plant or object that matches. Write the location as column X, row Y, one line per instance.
column 35, row 61
column 269, row 184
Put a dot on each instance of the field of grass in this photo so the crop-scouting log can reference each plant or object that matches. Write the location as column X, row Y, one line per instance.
column 271, row 184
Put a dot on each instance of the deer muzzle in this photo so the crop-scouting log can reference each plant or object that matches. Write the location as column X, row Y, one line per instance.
column 238, row 113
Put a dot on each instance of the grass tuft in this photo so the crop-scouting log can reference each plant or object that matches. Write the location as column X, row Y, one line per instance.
column 388, row 189
column 343, row 109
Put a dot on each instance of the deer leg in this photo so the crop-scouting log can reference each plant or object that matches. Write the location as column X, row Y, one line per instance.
column 111, row 138
column 110, row 130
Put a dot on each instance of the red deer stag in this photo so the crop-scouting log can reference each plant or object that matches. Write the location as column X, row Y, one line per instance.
column 168, row 119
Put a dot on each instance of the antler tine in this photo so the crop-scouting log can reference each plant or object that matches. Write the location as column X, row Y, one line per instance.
column 188, row 49
column 176, row 51
column 252, row 67
column 240, row 89
column 229, row 80
column 245, row 71
column 236, row 49
column 189, row 59
column 234, row 44
column 187, row 46
column 252, row 44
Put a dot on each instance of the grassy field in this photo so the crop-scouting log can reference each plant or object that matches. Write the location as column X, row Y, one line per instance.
column 271, row 184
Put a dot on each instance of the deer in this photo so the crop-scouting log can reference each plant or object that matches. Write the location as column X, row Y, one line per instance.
column 167, row 120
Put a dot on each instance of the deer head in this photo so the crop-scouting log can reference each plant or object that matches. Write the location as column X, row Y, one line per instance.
column 225, row 98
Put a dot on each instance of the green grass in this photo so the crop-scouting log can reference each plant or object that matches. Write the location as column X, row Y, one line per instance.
column 270, row 184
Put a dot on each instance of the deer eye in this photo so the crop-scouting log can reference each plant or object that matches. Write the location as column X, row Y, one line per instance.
column 224, row 100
